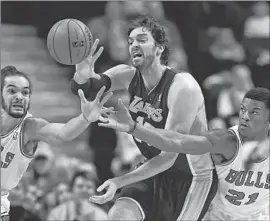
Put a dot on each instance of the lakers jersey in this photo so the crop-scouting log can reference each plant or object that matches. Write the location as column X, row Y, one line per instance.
column 14, row 161
column 150, row 109
column 241, row 193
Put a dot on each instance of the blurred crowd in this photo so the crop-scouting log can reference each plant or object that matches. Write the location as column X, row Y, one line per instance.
column 230, row 62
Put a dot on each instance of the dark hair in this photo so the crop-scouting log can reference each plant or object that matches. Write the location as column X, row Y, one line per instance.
column 259, row 94
column 12, row 71
column 157, row 31
column 83, row 174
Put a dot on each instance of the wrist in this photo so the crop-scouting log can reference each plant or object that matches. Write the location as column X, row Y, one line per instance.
column 117, row 181
column 85, row 118
column 79, row 79
column 132, row 127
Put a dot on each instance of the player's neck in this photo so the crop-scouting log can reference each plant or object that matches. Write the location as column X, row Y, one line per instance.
column 261, row 137
column 153, row 74
column 8, row 122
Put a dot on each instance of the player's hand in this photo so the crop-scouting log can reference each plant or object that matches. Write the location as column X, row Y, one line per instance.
column 120, row 120
column 92, row 111
column 110, row 187
column 85, row 69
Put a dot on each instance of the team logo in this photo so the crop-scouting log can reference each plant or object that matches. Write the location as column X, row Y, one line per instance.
column 77, row 44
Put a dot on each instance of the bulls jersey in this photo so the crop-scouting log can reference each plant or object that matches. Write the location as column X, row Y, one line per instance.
column 150, row 109
column 14, row 161
column 241, row 193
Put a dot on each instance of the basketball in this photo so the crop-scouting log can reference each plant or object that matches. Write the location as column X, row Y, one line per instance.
column 69, row 41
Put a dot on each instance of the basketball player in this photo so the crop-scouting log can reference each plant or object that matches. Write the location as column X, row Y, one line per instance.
column 158, row 98
column 241, row 156
column 20, row 132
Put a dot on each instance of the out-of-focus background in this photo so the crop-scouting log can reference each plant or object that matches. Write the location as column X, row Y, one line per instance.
column 224, row 45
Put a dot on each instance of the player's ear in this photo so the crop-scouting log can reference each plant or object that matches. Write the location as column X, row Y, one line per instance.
column 160, row 49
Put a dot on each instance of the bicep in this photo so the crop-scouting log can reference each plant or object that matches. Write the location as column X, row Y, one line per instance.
column 184, row 98
column 121, row 76
column 45, row 131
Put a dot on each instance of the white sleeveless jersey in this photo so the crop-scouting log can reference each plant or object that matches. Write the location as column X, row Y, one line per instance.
column 242, row 193
column 14, row 161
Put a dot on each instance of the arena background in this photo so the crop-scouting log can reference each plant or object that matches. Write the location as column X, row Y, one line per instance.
column 224, row 45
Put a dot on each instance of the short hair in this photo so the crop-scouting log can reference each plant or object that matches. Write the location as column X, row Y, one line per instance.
column 83, row 174
column 259, row 94
column 158, row 33
column 12, row 71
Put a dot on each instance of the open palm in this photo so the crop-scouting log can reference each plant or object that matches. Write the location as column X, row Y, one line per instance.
column 120, row 120
column 92, row 111
column 85, row 69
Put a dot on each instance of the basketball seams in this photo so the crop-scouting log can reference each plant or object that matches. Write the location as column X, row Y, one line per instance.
column 53, row 40
column 85, row 39
column 70, row 55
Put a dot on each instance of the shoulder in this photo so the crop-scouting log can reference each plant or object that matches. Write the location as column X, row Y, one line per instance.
column 222, row 140
column 185, row 86
column 32, row 126
column 123, row 68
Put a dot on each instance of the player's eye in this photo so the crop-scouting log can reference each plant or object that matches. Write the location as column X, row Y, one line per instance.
column 130, row 42
column 12, row 91
column 254, row 112
column 25, row 93
column 142, row 40
column 242, row 109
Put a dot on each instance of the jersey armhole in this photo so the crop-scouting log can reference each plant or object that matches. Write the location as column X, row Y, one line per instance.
column 227, row 162
column 22, row 141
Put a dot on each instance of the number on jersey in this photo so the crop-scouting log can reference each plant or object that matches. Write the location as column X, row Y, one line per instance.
column 237, row 198
column 8, row 159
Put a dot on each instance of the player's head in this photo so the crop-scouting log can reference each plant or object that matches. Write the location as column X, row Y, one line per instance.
column 16, row 90
column 147, row 41
column 254, row 115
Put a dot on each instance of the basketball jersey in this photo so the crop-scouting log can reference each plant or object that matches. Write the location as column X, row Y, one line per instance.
column 241, row 193
column 14, row 161
column 149, row 108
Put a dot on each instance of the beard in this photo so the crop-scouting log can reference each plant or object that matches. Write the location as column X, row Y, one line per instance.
column 7, row 108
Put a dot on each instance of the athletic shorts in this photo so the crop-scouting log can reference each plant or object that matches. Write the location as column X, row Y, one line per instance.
column 5, row 207
column 171, row 196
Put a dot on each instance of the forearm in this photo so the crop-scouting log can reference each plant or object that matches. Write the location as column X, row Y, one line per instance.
column 171, row 141
column 91, row 86
column 73, row 128
column 149, row 169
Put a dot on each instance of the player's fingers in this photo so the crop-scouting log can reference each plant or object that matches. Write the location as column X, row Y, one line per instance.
column 81, row 95
column 108, row 110
column 103, row 119
column 98, row 199
column 99, row 94
column 93, row 49
column 96, row 55
column 107, row 125
column 106, row 98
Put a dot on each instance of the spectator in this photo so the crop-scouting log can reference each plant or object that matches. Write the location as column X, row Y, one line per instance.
column 79, row 208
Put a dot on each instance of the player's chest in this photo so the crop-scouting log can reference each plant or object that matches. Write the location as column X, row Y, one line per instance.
column 149, row 108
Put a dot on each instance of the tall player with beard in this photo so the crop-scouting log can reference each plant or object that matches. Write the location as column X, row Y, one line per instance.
column 174, row 186
column 20, row 132
column 241, row 156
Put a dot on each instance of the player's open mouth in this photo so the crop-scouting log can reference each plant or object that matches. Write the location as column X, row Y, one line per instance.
column 243, row 125
column 17, row 106
column 136, row 55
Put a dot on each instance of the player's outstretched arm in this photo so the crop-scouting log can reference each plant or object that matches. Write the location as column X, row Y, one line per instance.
column 85, row 78
column 152, row 167
column 53, row 133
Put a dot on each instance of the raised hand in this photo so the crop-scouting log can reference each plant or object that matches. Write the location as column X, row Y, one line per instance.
column 110, row 188
column 120, row 120
column 92, row 111
column 85, row 69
